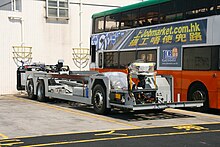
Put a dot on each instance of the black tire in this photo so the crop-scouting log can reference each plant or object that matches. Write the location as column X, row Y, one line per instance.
column 199, row 92
column 158, row 110
column 99, row 100
column 41, row 91
column 30, row 89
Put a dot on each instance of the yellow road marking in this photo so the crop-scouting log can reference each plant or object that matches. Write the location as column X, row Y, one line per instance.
column 3, row 136
column 110, row 133
column 107, row 133
column 190, row 127
column 98, row 117
column 11, row 144
column 8, row 140
column 124, row 137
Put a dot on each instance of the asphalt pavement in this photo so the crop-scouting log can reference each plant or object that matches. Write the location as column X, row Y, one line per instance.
column 183, row 135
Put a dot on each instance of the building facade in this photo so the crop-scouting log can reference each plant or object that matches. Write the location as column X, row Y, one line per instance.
column 45, row 31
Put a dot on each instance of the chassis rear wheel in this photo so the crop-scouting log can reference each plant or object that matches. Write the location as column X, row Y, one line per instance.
column 99, row 100
column 41, row 92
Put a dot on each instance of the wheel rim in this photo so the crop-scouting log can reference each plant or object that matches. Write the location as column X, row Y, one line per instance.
column 98, row 99
column 198, row 95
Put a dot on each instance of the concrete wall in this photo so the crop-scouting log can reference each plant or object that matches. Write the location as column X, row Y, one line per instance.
column 10, row 35
column 49, row 40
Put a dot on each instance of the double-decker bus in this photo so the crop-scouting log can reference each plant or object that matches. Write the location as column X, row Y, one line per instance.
column 181, row 36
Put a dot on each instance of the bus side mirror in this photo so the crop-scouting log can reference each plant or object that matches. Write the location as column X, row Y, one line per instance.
column 93, row 53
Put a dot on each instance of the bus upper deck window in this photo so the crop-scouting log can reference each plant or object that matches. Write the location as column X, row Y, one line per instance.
column 112, row 22
column 99, row 25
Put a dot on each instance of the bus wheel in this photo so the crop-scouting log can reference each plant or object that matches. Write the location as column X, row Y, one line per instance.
column 197, row 93
column 41, row 91
column 99, row 100
column 30, row 89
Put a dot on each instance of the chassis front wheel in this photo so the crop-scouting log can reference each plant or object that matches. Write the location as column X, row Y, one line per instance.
column 99, row 100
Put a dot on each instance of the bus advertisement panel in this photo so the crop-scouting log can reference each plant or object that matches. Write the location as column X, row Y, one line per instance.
column 192, row 32
column 169, row 38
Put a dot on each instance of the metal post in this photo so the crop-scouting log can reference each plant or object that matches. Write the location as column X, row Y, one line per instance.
column 22, row 31
column 13, row 5
column 80, row 33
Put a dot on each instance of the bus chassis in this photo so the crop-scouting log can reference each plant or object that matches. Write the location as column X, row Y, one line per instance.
column 102, row 90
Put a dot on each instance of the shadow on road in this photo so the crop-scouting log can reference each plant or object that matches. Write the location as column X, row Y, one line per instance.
column 134, row 115
column 126, row 115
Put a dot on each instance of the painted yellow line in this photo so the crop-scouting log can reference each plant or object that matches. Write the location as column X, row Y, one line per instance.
column 111, row 133
column 11, row 144
column 107, row 133
column 3, row 136
column 119, row 138
column 190, row 127
column 8, row 140
column 68, row 110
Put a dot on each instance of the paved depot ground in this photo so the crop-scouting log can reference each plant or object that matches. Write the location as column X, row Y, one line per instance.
column 20, row 116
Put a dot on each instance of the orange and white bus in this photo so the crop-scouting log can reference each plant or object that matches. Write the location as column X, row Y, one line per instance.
column 181, row 36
